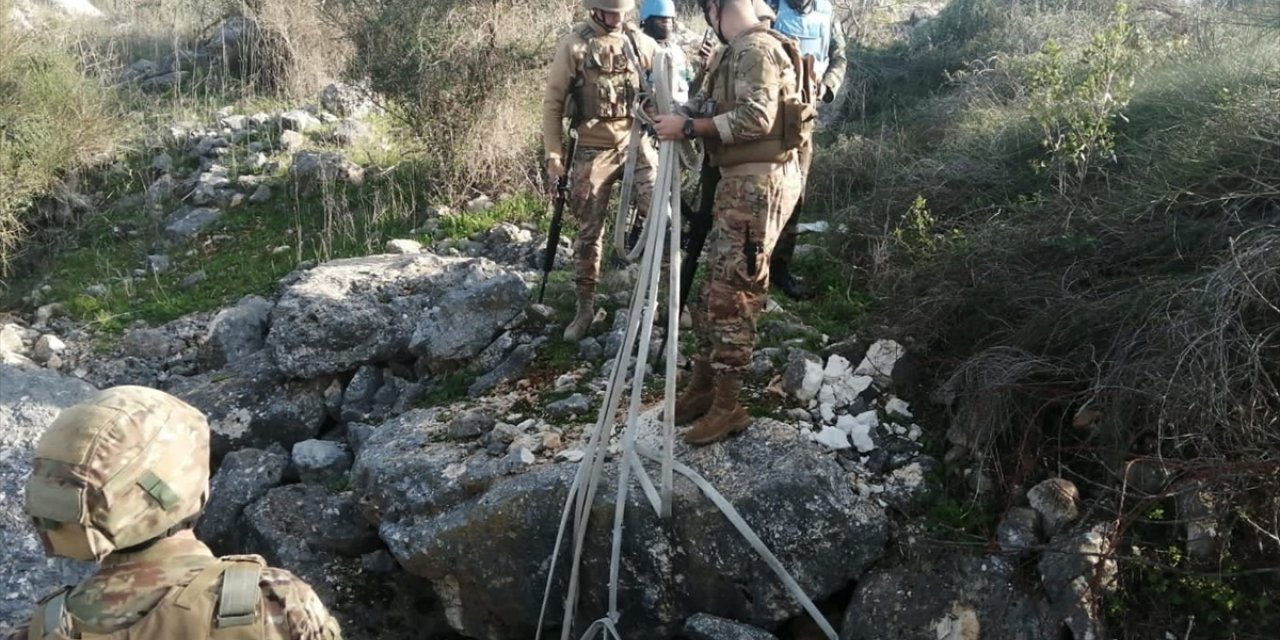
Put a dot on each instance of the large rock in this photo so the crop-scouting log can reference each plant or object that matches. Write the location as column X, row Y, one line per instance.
column 1077, row 570
column 244, row 476
column 949, row 597
column 237, row 331
column 347, row 100
column 346, row 313
column 320, row 536
column 251, row 404
column 29, row 400
column 321, row 461
column 481, row 530
column 312, row 169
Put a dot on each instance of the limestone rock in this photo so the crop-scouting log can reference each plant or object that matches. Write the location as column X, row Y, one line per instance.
column 1057, row 501
column 321, row 461
column 435, row 501
column 243, row 477
column 236, row 332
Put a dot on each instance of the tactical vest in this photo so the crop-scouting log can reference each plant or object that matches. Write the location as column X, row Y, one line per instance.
column 184, row 612
column 792, row 124
column 813, row 30
column 609, row 78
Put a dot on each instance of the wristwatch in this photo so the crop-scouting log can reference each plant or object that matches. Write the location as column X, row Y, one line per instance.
column 687, row 129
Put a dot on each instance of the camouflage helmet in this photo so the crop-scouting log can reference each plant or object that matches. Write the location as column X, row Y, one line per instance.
column 129, row 465
column 619, row 6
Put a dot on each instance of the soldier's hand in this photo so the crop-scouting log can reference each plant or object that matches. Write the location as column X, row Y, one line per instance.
column 704, row 52
column 669, row 127
column 555, row 169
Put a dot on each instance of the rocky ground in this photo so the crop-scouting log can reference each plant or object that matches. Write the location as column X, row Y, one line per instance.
column 338, row 458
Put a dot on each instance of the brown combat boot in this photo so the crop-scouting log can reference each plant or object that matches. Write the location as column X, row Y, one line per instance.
column 577, row 330
column 695, row 400
column 727, row 416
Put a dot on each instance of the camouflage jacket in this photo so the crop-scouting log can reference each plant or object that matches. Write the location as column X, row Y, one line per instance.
column 129, row 586
column 746, row 77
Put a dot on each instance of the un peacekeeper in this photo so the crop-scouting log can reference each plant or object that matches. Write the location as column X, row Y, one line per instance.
column 750, row 113
column 812, row 23
column 658, row 21
column 594, row 81
column 121, row 480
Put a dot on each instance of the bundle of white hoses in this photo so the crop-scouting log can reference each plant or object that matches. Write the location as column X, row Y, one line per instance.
column 661, row 96
column 664, row 216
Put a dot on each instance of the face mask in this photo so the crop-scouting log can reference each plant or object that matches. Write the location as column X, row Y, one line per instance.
column 598, row 18
column 658, row 30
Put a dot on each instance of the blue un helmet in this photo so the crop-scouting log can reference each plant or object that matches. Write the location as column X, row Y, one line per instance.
column 657, row 8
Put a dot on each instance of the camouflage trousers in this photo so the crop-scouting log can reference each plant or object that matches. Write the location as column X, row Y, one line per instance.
column 786, row 249
column 749, row 213
column 595, row 171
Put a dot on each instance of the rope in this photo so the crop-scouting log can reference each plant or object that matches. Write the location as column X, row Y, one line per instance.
column 664, row 217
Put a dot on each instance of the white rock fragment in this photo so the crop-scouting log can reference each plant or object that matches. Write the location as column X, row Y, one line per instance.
column 828, row 413
column 47, row 347
column 881, row 358
column 898, row 407
column 455, row 470
column 811, row 384
column 859, row 430
column 570, row 455
column 915, row 433
column 840, row 386
column 831, row 438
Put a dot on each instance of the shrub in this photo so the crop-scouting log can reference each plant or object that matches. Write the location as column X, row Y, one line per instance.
column 53, row 121
column 467, row 77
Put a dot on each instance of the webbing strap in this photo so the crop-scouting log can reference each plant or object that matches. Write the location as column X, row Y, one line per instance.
column 750, row 536
column 238, row 599
column 197, row 587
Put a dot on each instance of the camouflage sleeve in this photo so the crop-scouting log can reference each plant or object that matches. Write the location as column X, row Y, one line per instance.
column 756, row 82
column 554, row 100
column 838, row 59
column 294, row 610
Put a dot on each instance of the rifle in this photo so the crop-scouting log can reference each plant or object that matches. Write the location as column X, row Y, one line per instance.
column 699, row 226
column 557, row 216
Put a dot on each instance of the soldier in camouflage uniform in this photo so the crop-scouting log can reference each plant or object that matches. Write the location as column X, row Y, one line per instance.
column 121, row 480
column 593, row 81
column 753, row 112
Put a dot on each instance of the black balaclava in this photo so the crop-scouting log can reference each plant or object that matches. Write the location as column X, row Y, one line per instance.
column 655, row 29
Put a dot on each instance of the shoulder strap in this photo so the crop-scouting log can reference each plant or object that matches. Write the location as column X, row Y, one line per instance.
column 48, row 615
column 238, row 599
column 586, row 32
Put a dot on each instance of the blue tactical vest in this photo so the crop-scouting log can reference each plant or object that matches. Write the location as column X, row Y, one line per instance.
column 812, row 30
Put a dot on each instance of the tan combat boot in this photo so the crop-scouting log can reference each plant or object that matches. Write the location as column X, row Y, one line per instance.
column 727, row 416
column 577, row 330
column 695, row 400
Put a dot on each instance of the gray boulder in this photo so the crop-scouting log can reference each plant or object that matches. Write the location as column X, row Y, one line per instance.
column 29, row 400
column 346, row 100
column 466, row 319
column 1058, row 503
column 573, row 406
column 1019, row 530
column 321, row 461
column 704, row 627
column 321, row 537
column 1076, row 571
column 438, row 503
column 346, row 313
column 187, row 222
column 511, row 368
column 312, row 169
column 236, row 332
column 251, row 404
column 244, row 476
column 947, row 597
